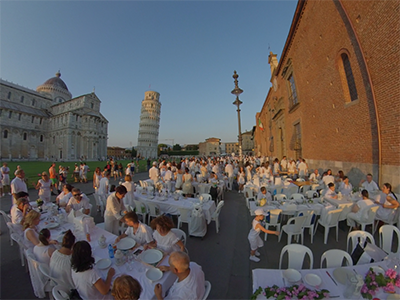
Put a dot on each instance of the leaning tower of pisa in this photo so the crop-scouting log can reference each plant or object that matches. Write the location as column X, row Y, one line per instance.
column 149, row 125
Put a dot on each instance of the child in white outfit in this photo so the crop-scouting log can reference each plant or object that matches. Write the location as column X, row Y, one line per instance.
column 254, row 235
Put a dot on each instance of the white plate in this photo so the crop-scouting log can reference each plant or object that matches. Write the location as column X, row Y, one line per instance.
column 52, row 225
column 291, row 275
column 312, row 279
column 378, row 270
column 126, row 243
column 103, row 263
column 152, row 256
column 154, row 274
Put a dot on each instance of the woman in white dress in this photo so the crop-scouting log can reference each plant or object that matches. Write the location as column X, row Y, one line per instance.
column 187, row 187
column 130, row 188
column 164, row 238
column 115, row 209
column 45, row 186
column 60, row 261
column 387, row 201
column 44, row 250
column 87, row 280
column 241, row 179
column 96, row 179
column 31, row 235
column 178, row 177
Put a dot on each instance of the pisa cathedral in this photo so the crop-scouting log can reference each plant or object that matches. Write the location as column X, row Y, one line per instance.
column 48, row 124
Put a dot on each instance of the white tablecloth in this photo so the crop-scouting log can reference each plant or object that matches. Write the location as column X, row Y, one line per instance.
column 269, row 277
column 319, row 209
column 170, row 205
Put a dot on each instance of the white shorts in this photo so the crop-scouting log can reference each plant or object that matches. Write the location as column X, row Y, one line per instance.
column 256, row 243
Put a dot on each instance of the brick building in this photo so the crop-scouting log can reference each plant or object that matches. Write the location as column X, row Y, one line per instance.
column 116, row 152
column 335, row 91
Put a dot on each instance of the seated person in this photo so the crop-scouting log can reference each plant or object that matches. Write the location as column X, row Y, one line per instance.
column 190, row 284
column 263, row 193
column 315, row 177
column 359, row 210
column 213, row 179
column 31, row 235
column 78, row 201
column 19, row 211
column 63, row 198
column 126, row 287
column 328, row 178
column 387, row 201
column 369, row 184
column 164, row 238
column 330, row 193
column 345, row 186
column 136, row 230
column 44, row 250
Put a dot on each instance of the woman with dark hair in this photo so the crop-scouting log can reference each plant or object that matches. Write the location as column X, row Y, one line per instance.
column 126, row 287
column 136, row 230
column 115, row 209
column 187, row 188
column 164, row 238
column 388, row 201
column 44, row 250
column 178, row 177
column 60, row 261
column 87, row 280
column 63, row 198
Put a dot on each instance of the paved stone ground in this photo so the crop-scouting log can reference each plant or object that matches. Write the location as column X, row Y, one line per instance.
column 223, row 256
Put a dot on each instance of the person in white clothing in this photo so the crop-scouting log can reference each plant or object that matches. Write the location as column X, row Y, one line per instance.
column 154, row 173
column 263, row 193
column 303, row 168
column 45, row 186
column 126, row 287
column 345, row 186
column 44, row 250
column 359, row 210
column 115, row 209
column 330, row 193
column 130, row 189
column 31, row 235
column 60, row 262
column 190, row 284
column 328, row 178
column 19, row 210
column 387, row 201
column 5, row 171
column 87, row 280
column 18, row 184
column 63, row 198
column 284, row 164
column 136, row 230
column 104, row 187
column 369, row 184
column 168, row 178
column 254, row 235
column 229, row 171
column 315, row 177
column 78, row 201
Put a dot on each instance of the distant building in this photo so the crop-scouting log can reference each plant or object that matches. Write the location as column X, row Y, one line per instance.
column 210, row 147
column 48, row 124
column 232, row 148
column 247, row 142
column 149, row 125
column 116, row 152
column 335, row 90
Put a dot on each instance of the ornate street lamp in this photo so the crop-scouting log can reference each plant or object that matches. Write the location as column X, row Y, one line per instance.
column 237, row 91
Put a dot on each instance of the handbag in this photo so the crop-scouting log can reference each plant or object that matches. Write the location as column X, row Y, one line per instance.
column 74, row 295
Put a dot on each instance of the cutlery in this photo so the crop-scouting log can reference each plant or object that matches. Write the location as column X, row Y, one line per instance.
column 331, row 278
column 355, row 271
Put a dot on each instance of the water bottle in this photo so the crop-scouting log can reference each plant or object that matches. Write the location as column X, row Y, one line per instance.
column 110, row 251
column 274, row 192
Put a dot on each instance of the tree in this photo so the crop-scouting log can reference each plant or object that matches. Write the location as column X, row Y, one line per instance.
column 176, row 147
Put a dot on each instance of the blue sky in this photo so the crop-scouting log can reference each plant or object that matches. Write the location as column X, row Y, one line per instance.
column 186, row 50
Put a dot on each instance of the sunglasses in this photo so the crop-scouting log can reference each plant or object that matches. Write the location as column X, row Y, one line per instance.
column 77, row 195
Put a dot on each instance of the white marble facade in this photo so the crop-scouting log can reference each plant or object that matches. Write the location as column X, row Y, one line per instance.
column 149, row 125
column 48, row 124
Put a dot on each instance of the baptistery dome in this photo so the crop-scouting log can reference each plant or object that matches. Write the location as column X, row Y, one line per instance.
column 55, row 88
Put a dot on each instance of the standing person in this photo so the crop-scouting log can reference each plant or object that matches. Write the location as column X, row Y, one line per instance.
column 130, row 189
column 44, row 185
column 178, row 177
column 229, row 171
column 53, row 175
column 115, row 209
column 96, row 179
column 187, row 187
column 284, row 164
column 5, row 171
column 254, row 235
column 76, row 173
column 241, row 180
column 18, row 185
column 104, row 185
column 154, row 173
column 120, row 170
column 85, row 170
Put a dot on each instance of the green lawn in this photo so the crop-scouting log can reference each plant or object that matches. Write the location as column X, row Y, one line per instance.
column 34, row 168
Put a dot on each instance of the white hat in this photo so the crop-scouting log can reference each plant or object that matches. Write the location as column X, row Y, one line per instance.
column 259, row 212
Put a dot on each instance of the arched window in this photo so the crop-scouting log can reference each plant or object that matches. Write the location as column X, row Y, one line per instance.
column 5, row 135
column 9, row 96
column 41, row 137
column 25, row 136
column 349, row 77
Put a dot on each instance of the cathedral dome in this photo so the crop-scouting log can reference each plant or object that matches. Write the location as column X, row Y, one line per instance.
column 55, row 88
column 56, row 81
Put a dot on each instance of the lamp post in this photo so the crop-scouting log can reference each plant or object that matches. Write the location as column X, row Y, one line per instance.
column 237, row 91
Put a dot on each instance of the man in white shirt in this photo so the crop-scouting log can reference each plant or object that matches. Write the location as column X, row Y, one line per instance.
column 303, row 168
column 369, row 184
column 359, row 210
column 78, row 201
column 263, row 193
column 190, row 284
column 168, row 178
column 104, row 184
column 136, row 230
column 315, row 177
column 154, row 173
column 19, row 211
column 284, row 163
column 18, row 185
column 5, row 171
column 229, row 170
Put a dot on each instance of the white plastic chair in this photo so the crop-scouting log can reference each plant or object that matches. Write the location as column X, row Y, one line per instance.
column 184, row 216
column 38, row 280
column 280, row 197
column 309, row 222
column 332, row 220
column 51, row 281
column 386, row 238
column 289, row 191
column 215, row 215
column 6, row 220
column 18, row 239
column 358, row 236
column 392, row 219
column 180, row 234
column 299, row 198
column 295, row 229
column 311, row 194
column 334, row 258
column 304, row 189
column 249, row 194
column 154, row 210
column 206, row 197
column 274, row 221
column 296, row 255
column 207, row 290
column 141, row 209
column 100, row 203
column 370, row 220
column 60, row 292
column 345, row 211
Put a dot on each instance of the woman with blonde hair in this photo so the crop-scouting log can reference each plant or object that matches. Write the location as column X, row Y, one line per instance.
column 125, row 287
column 31, row 235
column 45, row 186
column 130, row 188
